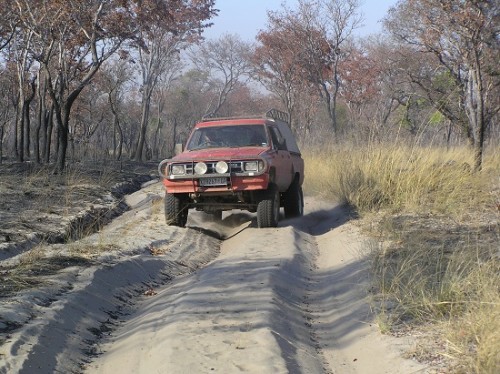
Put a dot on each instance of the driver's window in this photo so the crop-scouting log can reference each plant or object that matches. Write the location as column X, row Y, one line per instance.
column 195, row 139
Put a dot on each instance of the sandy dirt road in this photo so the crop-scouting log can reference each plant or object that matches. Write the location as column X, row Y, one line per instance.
column 213, row 297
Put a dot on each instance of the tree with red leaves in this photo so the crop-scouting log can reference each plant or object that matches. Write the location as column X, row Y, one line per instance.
column 304, row 47
column 72, row 39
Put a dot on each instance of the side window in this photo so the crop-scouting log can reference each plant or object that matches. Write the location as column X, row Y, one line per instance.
column 291, row 144
column 278, row 139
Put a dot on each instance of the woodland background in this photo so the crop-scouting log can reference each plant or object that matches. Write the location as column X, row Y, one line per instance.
column 127, row 79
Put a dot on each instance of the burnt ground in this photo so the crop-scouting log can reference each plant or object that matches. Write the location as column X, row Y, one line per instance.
column 38, row 206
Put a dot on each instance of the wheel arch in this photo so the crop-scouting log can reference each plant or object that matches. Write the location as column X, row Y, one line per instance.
column 272, row 175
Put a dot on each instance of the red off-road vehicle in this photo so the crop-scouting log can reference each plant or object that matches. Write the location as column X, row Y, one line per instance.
column 250, row 163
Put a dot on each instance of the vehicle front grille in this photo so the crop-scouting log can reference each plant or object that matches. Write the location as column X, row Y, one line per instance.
column 235, row 167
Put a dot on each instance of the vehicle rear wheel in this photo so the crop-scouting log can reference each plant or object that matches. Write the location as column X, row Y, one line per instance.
column 294, row 201
column 268, row 209
column 176, row 209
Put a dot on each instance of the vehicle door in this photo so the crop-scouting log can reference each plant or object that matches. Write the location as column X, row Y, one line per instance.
column 282, row 159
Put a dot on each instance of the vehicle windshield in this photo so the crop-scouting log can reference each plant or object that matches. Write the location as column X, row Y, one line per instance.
column 228, row 136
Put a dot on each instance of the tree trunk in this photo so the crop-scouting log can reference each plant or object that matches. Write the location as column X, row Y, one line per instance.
column 118, row 129
column 62, row 139
column 117, row 148
column 448, row 134
column 174, row 138
column 62, row 110
column 16, row 143
column 146, row 103
column 333, row 107
column 114, row 137
column 48, row 126
column 39, row 118
column 36, row 139
column 327, row 99
column 20, row 131
column 56, row 142
column 62, row 147
column 1, row 144
column 156, row 142
column 475, row 112
column 27, row 123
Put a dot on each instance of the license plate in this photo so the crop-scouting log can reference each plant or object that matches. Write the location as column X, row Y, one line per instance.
column 213, row 182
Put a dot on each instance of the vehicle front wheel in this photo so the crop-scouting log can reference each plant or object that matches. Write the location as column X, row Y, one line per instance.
column 215, row 216
column 294, row 201
column 268, row 209
column 176, row 209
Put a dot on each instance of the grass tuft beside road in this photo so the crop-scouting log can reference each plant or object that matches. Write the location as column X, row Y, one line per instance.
column 438, row 261
column 402, row 178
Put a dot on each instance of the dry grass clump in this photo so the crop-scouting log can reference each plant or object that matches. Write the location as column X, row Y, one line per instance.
column 35, row 175
column 432, row 267
column 401, row 177
column 32, row 269
column 474, row 337
column 81, row 175
column 439, row 261
column 440, row 272
column 89, row 250
column 77, row 179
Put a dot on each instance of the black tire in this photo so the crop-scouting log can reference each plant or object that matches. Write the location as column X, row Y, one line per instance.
column 268, row 209
column 217, row 215
column 294, row 201
column 176, row 210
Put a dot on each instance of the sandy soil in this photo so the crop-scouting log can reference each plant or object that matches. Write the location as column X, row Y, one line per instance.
column 213, row 297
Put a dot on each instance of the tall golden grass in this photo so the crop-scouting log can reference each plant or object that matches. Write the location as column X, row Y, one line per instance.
column 442, row 266
column 402, row 177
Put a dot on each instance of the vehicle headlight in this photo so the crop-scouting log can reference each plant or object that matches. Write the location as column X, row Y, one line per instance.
column 178, row 170
column 253, row 165
column 200, row 168
column 221, row 167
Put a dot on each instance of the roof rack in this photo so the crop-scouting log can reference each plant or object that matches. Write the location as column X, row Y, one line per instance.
column 271, row 113
column 278, row 114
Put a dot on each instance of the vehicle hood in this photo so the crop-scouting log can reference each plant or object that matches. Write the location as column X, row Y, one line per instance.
column 221, row 154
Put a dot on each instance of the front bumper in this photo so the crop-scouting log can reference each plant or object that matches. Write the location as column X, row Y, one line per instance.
column 234, row 184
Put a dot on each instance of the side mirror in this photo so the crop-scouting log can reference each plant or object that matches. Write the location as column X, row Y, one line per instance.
column 178, row 148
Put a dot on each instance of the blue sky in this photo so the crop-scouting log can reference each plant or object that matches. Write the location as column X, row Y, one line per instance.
column 247, row 17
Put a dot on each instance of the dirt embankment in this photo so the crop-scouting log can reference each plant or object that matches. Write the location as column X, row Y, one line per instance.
column 37, row 206
column 138, row 296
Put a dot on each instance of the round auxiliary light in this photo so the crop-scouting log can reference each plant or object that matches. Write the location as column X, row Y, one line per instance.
column 221, row 167
column 200, row 168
